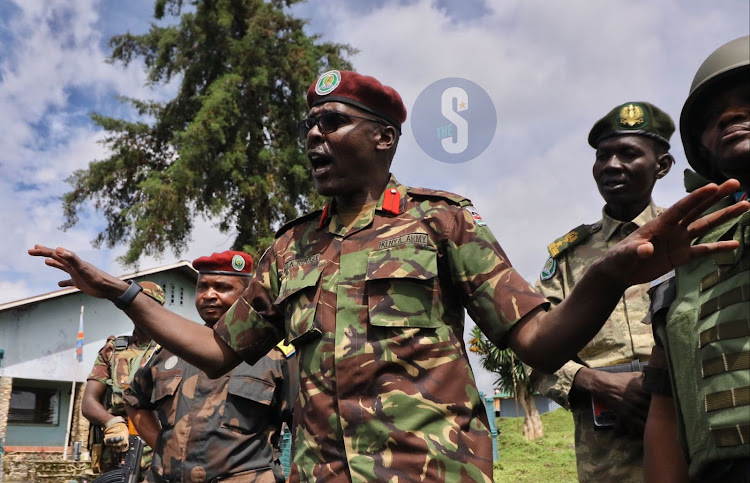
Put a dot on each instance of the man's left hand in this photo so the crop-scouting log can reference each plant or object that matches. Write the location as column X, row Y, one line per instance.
column 116, row 434
column 666, row 242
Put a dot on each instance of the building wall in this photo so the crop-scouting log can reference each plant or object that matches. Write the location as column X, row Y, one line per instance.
column 40, row 338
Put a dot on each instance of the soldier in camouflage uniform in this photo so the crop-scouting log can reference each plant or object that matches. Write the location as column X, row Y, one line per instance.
column 102, row 402
column 699, row 372
column 632, row 144
column 372, row 291
column 228, row 428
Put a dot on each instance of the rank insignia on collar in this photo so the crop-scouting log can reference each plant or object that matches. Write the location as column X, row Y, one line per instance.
column 632, row 115
column 548, row 271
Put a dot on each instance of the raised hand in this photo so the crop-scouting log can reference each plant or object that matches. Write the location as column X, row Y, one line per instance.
column 83, row 275
column 666, row 242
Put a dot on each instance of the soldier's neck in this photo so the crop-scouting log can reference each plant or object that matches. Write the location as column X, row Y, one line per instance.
column 626, row 212
column 139, row 337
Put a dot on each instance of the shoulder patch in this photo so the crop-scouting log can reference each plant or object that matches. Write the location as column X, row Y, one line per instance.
column 548, row 271
column 571, row 239
column 475, row 215
column 309, row 216
column 445, row 195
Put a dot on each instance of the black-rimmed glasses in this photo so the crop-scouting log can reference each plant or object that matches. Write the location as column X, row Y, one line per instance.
column 328, row 122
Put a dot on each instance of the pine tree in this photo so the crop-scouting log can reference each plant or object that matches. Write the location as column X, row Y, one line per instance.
column 225, row 147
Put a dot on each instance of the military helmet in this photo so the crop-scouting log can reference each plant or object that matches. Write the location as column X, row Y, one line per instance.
column 731, row 60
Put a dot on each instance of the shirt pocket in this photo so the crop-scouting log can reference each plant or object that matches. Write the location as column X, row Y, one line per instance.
column 298, row 297
column 402, row 287
column 164, row 397
column 248, row 404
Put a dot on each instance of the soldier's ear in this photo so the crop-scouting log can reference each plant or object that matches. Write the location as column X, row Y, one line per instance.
column 664, row 164
column 387, row 137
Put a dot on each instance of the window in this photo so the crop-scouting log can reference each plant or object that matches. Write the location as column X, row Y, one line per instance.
column 171, row 294
column 34, row 405
column 182, row 295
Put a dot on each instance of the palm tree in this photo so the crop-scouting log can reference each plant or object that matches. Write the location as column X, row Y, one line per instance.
column 512, row 378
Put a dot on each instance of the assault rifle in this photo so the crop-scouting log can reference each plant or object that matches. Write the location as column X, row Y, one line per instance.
column 130, row 471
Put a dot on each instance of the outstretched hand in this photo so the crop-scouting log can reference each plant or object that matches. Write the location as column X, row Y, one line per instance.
column 665, row 242
column 83, row 275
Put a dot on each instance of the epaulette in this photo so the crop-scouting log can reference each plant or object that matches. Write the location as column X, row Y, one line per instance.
column 571, row 239
column 445, row 195
column 313, row 215
column 122, row 342
column 288, row 350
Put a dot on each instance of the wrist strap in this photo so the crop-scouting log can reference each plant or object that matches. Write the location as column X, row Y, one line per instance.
column 123, row 301
column 113, row 421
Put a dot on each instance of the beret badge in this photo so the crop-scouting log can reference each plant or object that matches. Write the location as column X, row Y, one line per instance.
column 632, row 115
column 238, row 263
column 328, row 82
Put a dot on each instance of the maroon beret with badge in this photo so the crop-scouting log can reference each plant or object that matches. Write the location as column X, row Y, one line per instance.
column 229, row 262
column 361, row 91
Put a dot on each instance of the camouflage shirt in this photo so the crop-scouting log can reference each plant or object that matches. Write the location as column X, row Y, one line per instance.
column 377, row 314
column 113, row 367
column 623, row 338
column 215, row 427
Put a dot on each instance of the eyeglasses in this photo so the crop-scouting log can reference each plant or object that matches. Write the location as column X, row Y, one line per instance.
column 328, row 122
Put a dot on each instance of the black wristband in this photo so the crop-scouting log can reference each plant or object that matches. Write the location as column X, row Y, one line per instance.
column 123, row 301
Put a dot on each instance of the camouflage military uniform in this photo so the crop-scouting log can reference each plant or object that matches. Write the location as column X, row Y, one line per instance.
column 120, row 362
column 377, row 314
column 216, row 428
column 601, row 455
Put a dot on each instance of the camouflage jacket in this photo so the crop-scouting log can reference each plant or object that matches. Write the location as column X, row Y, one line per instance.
column 113, row 367
column 216, row 427
column 377, row 315
column 623, row 337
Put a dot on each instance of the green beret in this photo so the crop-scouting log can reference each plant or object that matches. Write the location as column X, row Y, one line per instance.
column 640, row 118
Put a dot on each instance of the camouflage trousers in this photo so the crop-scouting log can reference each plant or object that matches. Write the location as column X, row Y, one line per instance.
column 603, row 455
column 274, row 475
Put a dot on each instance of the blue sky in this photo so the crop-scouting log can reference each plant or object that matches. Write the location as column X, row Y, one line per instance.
column 551, row 68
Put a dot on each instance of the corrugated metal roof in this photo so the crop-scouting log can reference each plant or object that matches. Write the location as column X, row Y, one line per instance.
column 181, row 265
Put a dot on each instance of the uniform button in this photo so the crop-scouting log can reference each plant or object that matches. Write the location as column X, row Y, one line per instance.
column 393, row 190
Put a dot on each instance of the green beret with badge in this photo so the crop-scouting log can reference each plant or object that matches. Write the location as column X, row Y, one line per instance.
column 633, row 118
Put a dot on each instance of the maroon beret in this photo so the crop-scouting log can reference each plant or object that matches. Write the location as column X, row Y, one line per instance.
column 362, row 91
column 225, row 263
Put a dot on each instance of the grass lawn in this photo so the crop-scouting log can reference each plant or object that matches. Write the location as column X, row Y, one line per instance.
column 551, row 458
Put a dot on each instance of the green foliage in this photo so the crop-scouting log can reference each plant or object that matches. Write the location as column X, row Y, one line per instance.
column 549, row 458
column 225, row 147
column 508, row 367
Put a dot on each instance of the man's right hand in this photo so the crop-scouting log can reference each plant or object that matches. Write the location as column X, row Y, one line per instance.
column 622, row 392
column 116, row 434
column 83, row 275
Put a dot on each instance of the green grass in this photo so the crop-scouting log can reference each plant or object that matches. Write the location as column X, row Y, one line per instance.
column 551, row 458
